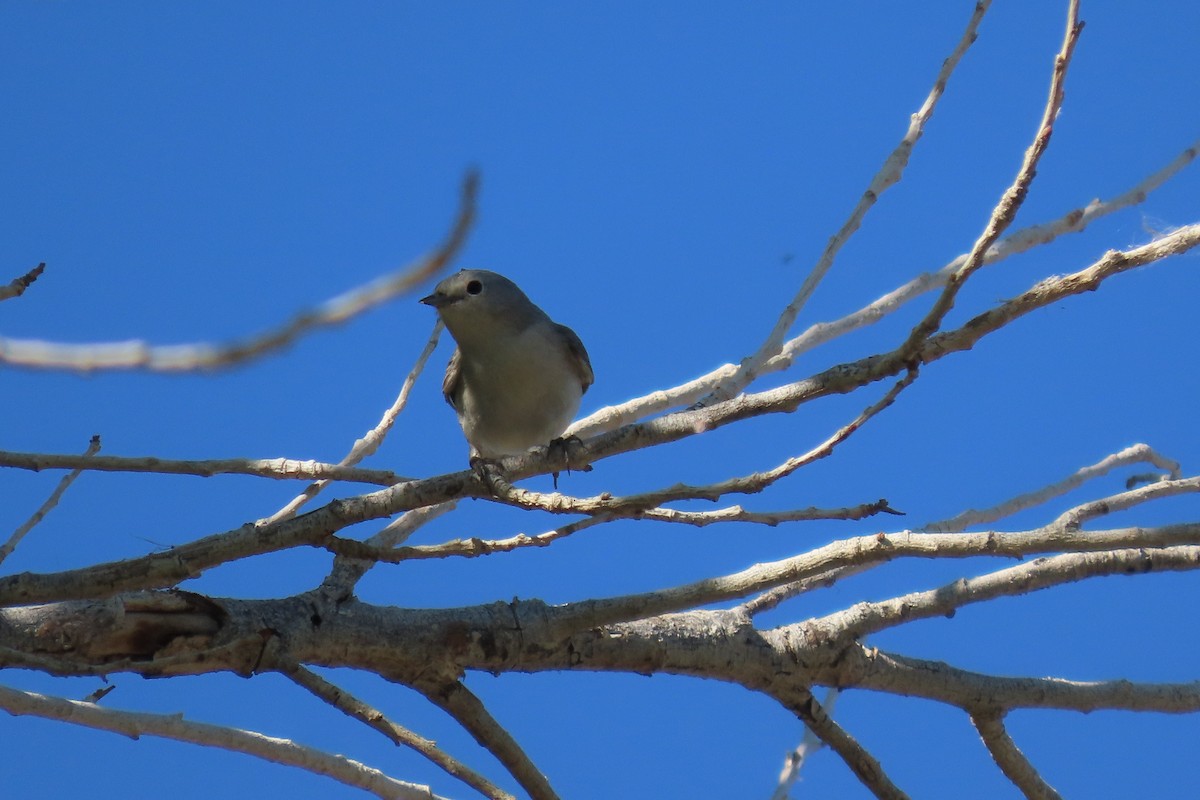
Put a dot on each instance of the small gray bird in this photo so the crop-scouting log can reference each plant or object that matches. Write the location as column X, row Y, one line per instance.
column 517, row 376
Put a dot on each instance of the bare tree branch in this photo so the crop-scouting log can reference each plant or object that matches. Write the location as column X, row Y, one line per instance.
column 1006, row 210
column 1135, row 454
column 863, row 619
column 935, row 680
column 173, row 726
column 850, row 375
column 877, row 549
column 350, row 705
column 771, row 518
column 467, row 548
column 773, row 597
column 1020, row 241
column 459, row 702
column 160, row 570
column 51, row 501
column 796, row 758
column 1075, row 517
column 196, row 357
column 367, row 445
column 1009, row 757
column 889, row 175
column 353, row 562
column 864, row 765
column 274, row 468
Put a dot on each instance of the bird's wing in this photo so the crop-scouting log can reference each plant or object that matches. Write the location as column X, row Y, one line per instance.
column 578, row 356
column 451, row 389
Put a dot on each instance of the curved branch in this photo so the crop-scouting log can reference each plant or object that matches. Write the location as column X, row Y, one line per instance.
column 1012, row 199
column 1135, row 454
column 889, row 175
column 196, row 357
column 1020, row 241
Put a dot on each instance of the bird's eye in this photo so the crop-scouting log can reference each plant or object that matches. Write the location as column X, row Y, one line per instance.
column 474, row 287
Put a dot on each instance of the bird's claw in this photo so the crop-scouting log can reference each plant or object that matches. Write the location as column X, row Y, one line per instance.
column 561, row 448
column 491, row 473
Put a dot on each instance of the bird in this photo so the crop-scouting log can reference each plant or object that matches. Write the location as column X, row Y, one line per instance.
column 517, row 377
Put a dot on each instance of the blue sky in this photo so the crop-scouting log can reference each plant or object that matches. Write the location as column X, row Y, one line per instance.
column 659, row 177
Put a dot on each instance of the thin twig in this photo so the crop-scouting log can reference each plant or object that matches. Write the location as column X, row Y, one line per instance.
column 51, row 501
column 772, row 598
column 770, row 518
column 889, row 175
column 465, row 548
column 369, row 443
column 350, row 705
column 173, row 726
column 635, row 505
column 1020, row 241
column 274, row 468
column 354, row 560
column 1075, row 517
column 1012, row 199
column 864, row 619
column 1136, row 454
column 195, row 357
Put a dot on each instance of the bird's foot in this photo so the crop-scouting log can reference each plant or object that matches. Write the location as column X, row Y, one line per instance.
column 562, row 448
column 492, row 474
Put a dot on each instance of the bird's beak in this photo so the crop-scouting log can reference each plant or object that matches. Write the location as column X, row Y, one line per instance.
column 436, row 300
